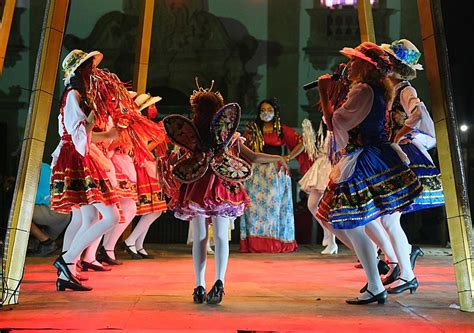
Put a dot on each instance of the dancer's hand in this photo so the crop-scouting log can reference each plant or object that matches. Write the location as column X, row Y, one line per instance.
column 324, row 81
column 282, row 163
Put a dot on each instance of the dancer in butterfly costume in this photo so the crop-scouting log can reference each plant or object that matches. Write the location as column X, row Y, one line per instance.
column 211, row 174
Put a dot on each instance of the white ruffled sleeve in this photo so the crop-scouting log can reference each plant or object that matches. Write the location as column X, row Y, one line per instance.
column 75, row 123
column 418, row 116
column 351, row 113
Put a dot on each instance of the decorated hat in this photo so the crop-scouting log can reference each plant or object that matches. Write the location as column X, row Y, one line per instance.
column 145, row 100
column 370, row 52
column 76, row 58
column 405, row 51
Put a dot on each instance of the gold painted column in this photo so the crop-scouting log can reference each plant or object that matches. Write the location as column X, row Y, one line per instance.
column 5, row 26
column 449, row 147
column 33, row 146
column 366, row 21
column 143, row 45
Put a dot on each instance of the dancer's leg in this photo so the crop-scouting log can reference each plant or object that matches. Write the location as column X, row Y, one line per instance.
column 313, row 203
column 399, row 240
column 221, row 240
column 199, row 249
column 72, row 229
column 365, row 252
column 129, row 209
column 94, row 230
column 137, row 237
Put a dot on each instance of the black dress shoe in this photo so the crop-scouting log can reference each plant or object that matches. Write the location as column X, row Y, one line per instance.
column 199, row 295
column 383, row 267
column 379, row 298
column 415, row 252
column 145, row 255
column 98, row 268
column 62, row 285
column 393, row 276
column 102, row 256
column 132, row 254
column 387, row 280
column 214, row 296
column 61, row 266
column 408, row 285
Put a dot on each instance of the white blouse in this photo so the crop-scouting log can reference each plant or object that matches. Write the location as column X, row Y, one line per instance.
column 75, row 123
column 351, row 113
column 418, row 116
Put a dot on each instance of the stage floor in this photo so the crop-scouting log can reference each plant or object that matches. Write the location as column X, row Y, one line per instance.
column 296, row 292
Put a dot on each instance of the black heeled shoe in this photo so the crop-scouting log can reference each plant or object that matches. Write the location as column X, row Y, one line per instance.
column 102, row 256
column 380, row 298
column 393, row 276
column 130, row 252
column 383, row 267
column 98, row 268
column 408, row 285
column 62, row 285
column 389, row 279
column 145, row 256
column 214, row 296
column 199, row 295
column 61, row 266
column 415, row 252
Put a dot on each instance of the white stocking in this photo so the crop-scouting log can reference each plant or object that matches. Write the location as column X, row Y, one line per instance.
column 94, row 230
column 365, row 252
column 313, row 203
column 91, row 251
column 221, row 241
column 399, row 240
column 379, row 236
column 129, row 209
column 72, row 229
column 137, row 237
column 199, row 249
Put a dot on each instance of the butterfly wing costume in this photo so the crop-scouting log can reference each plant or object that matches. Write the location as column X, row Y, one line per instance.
column 211, row 174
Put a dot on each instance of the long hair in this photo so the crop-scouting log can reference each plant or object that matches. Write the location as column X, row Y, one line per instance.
column 205, row 105
column 78, row 82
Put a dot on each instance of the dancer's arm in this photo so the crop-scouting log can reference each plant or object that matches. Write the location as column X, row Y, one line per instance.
column 259, row 157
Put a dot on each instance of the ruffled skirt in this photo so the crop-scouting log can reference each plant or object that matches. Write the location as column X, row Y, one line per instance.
column 77, row 181
column 150, row 198
column 429, row 177
column 317, row 177
column 210, row 196
column 380, row 184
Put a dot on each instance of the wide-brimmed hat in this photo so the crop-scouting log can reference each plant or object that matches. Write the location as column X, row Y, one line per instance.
column 145, row 100
column 370, row 52
column 405, row 51
column 76, row 58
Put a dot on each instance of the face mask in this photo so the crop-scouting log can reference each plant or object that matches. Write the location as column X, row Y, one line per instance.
column 266, row 117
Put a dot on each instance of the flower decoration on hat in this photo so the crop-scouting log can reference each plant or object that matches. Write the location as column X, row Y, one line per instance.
column 405, row 51
column 409, row 57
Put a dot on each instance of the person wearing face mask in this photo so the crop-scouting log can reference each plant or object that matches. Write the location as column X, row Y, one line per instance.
column 268, row 224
